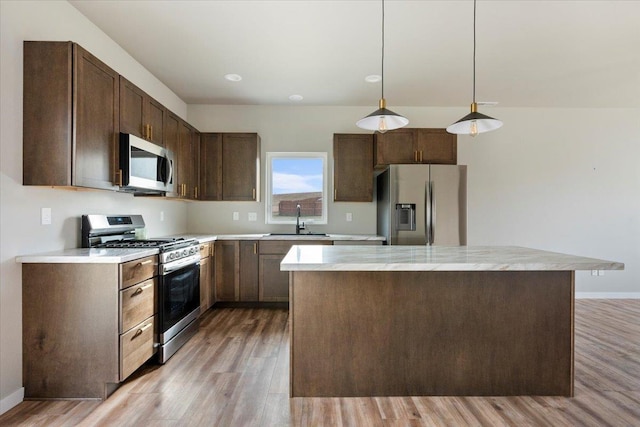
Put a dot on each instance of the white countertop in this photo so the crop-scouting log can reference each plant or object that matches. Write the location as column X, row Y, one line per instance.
column 87, row 256
column 116, row 256
column 203, row 238
column 435, row 258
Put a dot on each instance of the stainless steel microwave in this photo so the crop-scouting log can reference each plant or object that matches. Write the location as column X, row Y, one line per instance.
column 146, row 168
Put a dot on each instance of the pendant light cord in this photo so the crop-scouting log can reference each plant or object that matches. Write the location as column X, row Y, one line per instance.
column 474, row 51
column 382, row 76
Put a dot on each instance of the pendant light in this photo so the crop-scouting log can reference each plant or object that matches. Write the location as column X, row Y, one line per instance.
column 474, row 122
column 382, row 119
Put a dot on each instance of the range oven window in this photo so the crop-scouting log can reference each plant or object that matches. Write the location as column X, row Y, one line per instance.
column 180, row 295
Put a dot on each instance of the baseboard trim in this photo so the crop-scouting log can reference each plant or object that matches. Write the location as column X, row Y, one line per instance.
column 12, row 400
column 607, row 295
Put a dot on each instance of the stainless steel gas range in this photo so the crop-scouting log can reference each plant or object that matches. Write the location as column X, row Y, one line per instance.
column 178, row 293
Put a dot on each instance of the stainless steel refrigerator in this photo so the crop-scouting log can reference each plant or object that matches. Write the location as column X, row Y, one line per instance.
column 423, row 204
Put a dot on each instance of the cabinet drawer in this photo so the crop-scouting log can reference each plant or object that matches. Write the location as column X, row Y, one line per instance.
column 281, row 247
column 205, row 250
column 137, row 303
column 136, row 347
column 136, row 271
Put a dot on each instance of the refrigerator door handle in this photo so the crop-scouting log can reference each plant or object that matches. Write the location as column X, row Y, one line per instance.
column 433, row 212
column 427, row 209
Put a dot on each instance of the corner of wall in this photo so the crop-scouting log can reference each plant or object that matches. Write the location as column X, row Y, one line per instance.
column 12, row 400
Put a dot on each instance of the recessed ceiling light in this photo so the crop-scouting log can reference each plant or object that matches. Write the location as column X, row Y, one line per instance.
column 233, row 77
column 374, row 78
column 296, row 98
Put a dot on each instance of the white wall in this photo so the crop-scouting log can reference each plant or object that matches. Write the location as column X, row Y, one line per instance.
column 565, row 180
column 20, row 229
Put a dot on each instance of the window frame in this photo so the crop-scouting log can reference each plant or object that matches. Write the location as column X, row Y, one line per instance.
column 270, row 155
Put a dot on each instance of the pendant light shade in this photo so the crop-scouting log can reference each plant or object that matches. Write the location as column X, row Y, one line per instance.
column 382, row 119
column 474, row 122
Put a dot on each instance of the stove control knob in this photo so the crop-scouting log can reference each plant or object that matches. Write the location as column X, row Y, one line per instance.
column 193, row 251
column 171, row 256
column 184, row 252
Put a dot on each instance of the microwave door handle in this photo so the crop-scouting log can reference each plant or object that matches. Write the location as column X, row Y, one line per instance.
column 170, row 176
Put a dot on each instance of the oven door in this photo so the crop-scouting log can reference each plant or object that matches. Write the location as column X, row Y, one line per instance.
column 178, row 300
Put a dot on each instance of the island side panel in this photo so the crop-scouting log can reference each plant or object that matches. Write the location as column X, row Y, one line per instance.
column 431, row 333
column 70, row 330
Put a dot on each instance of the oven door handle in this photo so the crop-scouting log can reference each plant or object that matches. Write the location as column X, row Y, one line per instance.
column 181, row 263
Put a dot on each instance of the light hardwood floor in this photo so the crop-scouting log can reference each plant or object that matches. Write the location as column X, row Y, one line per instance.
column 234, row 372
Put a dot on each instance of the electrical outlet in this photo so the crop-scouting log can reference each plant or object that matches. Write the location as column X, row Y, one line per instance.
column 600, row 272
column 45, row 216
column 594, row 272
column 236, row 216
column 349, row 217
column 253, row 216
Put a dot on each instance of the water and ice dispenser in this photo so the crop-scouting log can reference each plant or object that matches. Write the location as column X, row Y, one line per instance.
column 405, row 216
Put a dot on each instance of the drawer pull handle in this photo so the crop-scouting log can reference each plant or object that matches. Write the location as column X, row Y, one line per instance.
column 141, row 289
column 141, row 330
column 140, row 264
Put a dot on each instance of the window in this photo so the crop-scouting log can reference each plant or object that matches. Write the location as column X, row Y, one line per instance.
column 296, row 179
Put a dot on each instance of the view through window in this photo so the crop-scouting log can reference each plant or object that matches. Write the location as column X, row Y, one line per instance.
column 296, row 179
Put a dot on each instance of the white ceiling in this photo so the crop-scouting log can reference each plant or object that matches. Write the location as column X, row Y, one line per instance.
column 529, row 53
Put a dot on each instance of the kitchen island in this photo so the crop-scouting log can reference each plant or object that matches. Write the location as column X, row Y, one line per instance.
column 420, row 320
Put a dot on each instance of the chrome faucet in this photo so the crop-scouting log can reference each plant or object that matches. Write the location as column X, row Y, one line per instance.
column 298, row 226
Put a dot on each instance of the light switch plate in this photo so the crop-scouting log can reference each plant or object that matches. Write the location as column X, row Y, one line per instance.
column 253, row 216
column 236, row 216
column 349, row 217
column 45, row 216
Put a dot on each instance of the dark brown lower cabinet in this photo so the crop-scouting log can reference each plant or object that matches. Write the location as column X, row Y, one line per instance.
column 205, row 283
column 273, row 283
column 227, row 270
column 236, row 270
column 248, row 270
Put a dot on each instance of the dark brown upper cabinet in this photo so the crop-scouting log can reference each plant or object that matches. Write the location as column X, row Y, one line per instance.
column 407, row 146
column 230, row 166
column 140, row 114
column 70, row 117
column 211, row 166
column 240, row 167
column 172, row 142
column 353, row 167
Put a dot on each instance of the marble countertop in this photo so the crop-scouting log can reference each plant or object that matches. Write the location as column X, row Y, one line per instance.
column 116, row 256
column 435, row 258
column 87, row 256
column 203, row 238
